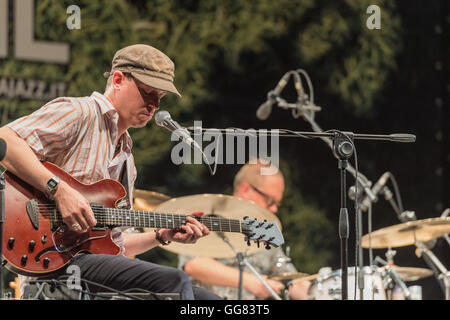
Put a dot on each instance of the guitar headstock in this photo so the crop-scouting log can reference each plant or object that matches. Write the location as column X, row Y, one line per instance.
column 266, row 232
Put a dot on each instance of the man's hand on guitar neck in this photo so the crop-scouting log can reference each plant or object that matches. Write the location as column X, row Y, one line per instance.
column 75, row 210
column 188, row 233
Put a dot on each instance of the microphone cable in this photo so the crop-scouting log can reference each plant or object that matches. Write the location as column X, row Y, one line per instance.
column 120, row 293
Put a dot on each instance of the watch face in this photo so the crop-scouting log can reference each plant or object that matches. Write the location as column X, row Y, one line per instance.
column 52, row 184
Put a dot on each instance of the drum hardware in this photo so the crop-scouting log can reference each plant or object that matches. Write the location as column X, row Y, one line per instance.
column 395, row 277
column 444, row 215
column 327, row 284
column 436, row 265
column 422, row 234
column 243, row 261
column 423, row 249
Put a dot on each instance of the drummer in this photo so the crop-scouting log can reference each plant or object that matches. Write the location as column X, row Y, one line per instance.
column 221, row 276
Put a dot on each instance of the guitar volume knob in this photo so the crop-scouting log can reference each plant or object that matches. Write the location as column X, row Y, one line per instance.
column 24, row 260
column 31, row 245
column 11, row 243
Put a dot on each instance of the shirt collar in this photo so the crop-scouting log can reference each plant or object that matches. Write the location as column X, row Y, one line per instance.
column 107, row 108
column 105, row 105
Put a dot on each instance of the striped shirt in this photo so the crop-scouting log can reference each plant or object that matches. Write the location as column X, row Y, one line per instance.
column 79, row 135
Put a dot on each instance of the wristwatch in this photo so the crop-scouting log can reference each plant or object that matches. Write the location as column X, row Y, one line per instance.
column 52, row 186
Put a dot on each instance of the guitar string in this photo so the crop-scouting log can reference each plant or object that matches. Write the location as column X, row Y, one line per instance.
column 141, row 213
column 110, row 215
column 105, row 214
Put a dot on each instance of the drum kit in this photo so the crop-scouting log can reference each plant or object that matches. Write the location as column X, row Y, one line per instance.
column 386, row 282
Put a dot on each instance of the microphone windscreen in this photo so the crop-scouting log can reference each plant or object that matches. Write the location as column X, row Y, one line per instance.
column 161, row 116
column 264, row 110
column 2, row 149
column 403, row 137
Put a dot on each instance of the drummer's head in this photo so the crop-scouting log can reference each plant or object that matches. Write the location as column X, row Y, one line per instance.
column 264, row 189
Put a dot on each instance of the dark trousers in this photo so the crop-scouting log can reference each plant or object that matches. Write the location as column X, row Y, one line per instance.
column 121, row 273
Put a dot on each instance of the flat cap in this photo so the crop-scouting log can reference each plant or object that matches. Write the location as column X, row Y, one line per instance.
column 147, row 64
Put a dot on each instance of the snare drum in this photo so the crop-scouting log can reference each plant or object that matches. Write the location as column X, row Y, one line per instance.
column 328, row 285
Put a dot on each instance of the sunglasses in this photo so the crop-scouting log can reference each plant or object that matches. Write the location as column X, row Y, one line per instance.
column 148, row 96
column 269, row 200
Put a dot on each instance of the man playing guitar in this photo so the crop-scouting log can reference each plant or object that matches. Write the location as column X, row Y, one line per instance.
column 87, row 137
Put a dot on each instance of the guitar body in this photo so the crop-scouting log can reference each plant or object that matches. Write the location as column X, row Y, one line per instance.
column 34, row 244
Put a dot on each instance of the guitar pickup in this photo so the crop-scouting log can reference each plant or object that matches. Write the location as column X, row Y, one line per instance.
column 33, row 212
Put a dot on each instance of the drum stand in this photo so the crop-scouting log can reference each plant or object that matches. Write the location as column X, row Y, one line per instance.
column 395, row 277
column 242, row 263
column 434, row 263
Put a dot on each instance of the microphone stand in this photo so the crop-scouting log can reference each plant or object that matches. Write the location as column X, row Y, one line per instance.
column 343, row 147
column 308, row 115
column 242, row 260
column 305, row 107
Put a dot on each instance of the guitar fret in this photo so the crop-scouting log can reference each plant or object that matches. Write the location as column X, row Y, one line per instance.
column 150, row 219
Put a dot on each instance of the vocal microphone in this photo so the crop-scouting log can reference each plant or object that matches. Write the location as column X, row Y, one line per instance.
column 163, row 119
column 265, row 109
column 375, row 190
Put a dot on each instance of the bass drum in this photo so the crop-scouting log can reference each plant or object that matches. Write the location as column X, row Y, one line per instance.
column 328, row 285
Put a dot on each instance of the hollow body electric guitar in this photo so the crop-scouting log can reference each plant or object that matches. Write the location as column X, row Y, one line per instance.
column 37, row 243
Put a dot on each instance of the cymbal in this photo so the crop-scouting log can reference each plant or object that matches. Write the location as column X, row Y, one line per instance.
column 410, row 273
column 408, row 233
column 224, row 206
column 147, row 200
column 289, row 276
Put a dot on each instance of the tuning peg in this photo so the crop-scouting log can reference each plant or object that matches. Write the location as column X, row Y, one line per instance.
column 267, row 246
column 257, row 243
column 248, row 242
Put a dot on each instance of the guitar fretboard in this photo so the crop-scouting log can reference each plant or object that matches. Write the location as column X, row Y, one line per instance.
column 149, row 219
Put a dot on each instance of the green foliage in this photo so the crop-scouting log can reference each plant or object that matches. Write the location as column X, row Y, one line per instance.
column 356, row 60
column 305, row 227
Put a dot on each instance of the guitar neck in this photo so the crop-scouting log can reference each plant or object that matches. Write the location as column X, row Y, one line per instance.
column 149, row 219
